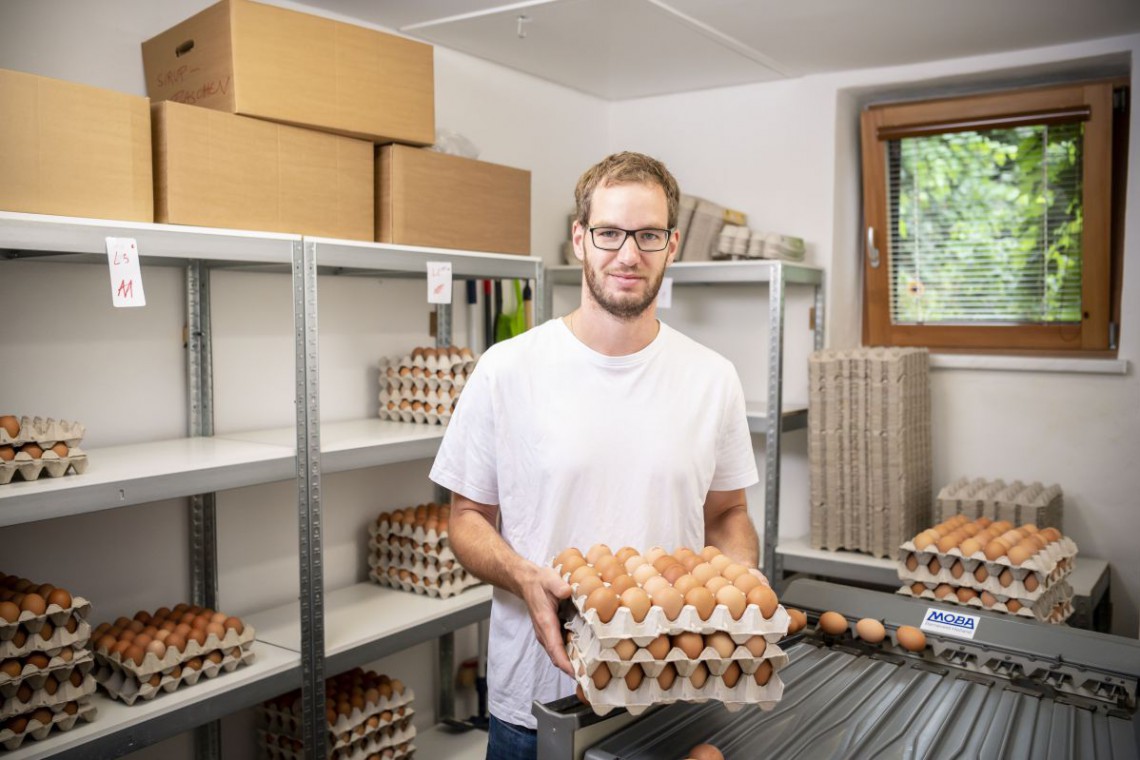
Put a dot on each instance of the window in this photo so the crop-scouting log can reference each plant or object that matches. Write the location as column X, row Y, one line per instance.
column 989, row 221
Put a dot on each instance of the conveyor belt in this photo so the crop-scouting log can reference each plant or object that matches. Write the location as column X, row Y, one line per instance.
column 1018, row 689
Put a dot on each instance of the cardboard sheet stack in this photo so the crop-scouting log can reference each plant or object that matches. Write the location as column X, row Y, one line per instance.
column 990, row 564
column 369, row 715
column 1016, row 502
column 45, row 661
column 409, row 549
column 869, row 448
column 424, row 386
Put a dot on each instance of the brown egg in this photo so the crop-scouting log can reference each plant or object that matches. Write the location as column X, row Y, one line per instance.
column 215, row 629
column 664, row 562
column 623, row 555
column 720, row 562
column 577, row 576
column 985, row 522
column 715, row 584
column 934, row 567
column 596, row 552
column 692, row 560
column 654, row 554
column 911, row 638
column 709, row 552
column 733, row 599
column 33, row 450
column 943, row 590
column 966, row 594
column 589, row 585
column 832, row 623
column 11, row 668
column 948, row 542
column 601, row 677
column 622, row 583
column 699, row 675
column 746, row 582
column 654, row 584
column 106, row 641
column 911, row 562
column 43, row 715
column 970, row 547
column 34, row 603
column 764, row 598
column 218, row 617
column 1031, row 582
column 1051, row 534
column 763, row 673
column 610, row 570
column 1021, row 552
column 702, row 601
column 917, row 588
column 197, row 635
column 924, row 539
column 60, row 598
column 675, row 572
column 995, row 549
column 157, row 648
column 988, row 599
column 603, row 601
column 731, row 675
column 234, row 624
column 1006, row 577
column 667, row 676
column 704, row 572
column 685, row 584
column 690, row 643
column 645, row 573
column 704, row 752
column 722, row 643
column 135, row 654
column 870, row 630
column 570, row 564
column 9, row 612
column 1013, row 605
column 625, row 648
column 957, row 569
column 141, row 640
column 637, row 601
column 216, row 658
column 798, row 621
column 659, row 647
column 194, row 663
column 176, row 641
column 634, row 677
column 981, row 573
column 121, row 646
column 669, row 600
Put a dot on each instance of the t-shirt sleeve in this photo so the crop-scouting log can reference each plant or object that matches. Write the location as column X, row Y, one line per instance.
column 735, row 461
column 466, row 462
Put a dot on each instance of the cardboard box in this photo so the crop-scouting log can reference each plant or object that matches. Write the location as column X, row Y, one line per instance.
column 73, row 150
column 434, row 199
column 215, row 169
column 259, row 60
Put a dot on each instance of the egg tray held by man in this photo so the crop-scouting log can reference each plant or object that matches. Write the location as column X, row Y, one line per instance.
column 33, row 446
column 158, row 652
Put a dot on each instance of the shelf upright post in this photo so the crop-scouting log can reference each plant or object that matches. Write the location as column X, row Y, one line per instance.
column 772, row 565
column 819, row 314
column 203, row 506
column 313, row 725
column 543, row 296
column 446, row 643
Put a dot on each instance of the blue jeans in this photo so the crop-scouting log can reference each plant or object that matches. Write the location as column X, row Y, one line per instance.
column 506, row 741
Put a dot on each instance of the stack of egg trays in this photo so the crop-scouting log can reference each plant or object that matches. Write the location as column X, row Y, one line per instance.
column 1055, row 605
column 130, row 682
column 592, row 645
column 1016, row 502
column 62, row 662
column 1051, row 566
column 45, row 434
column 363, row 734
column 869, row 446
column 409, row 558
column 424, row 387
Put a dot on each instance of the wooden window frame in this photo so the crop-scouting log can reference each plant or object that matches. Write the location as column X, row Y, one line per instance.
column 1090, row 102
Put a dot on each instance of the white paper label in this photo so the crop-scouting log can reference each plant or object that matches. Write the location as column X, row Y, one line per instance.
column 126, row 276
column 439, row 281
column 665, row 295
column 956, row 624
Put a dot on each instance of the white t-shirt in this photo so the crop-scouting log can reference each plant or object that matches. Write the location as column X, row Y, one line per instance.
column 579, row 448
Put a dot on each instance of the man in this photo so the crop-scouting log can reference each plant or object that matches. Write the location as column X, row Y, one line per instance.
column 603, row 427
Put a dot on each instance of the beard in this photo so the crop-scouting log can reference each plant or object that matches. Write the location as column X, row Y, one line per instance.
column 627, row 308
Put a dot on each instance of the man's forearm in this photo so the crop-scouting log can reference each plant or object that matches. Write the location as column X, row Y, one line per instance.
column 733, row 533
column 483, row 552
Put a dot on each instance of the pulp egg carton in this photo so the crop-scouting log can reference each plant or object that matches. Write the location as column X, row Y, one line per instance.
column 407, row 381
column 421, row 566
column 38, row 730
column 441, row 397
column 447, row 358
column 1044, row 562
column 616, row 693
column 424, row 413
column 360, row 746
column 416, row 533
column 623, row 626
column 35, row 698
column 1016, row 502
column 126, row 687
column 993, row 582
column 458, row 582
column 357, row 723
column 595, row 655
column 152, row 663
column 54, row 465
column 1043, row 608
column 59, row 666
column 395, row 548
column 44, row 432
column 33, row 640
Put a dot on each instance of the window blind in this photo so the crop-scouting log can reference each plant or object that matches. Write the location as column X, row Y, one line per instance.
column 985, row 226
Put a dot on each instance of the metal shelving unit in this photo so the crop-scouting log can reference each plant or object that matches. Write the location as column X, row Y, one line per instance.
column 291, row 645
column 776, row 275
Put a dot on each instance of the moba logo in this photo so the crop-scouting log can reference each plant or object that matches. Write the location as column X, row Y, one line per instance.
column 949, row 618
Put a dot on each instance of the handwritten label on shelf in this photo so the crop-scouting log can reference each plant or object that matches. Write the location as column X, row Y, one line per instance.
column 126, row 276
column 439, row 281
column 665, row 295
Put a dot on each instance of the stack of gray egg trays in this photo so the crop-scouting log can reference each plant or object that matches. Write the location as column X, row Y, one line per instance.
column 1016, row 502
column 869, row 448
column 425, row 385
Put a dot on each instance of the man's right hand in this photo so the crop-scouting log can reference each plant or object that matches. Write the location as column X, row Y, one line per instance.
column 542, row 590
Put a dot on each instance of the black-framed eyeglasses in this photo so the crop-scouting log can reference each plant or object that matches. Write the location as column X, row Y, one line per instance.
column 648, row 240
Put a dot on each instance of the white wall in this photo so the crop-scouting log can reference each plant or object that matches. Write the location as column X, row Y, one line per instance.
column 121, row 372
column 787, row 153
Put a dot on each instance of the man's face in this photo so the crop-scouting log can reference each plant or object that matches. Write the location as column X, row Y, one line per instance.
column 625, row 282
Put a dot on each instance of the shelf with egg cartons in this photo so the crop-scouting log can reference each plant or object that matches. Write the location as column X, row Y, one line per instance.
column 776, row 275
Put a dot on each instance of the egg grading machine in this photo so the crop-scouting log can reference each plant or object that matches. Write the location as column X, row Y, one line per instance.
column 1016, row 689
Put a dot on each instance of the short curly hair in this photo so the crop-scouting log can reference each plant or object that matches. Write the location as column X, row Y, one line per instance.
column 620, row 168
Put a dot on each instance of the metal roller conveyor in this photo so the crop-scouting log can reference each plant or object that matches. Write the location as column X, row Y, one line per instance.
column 987, row 685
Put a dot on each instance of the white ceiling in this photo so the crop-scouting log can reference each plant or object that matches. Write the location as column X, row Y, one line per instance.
column 622, row 49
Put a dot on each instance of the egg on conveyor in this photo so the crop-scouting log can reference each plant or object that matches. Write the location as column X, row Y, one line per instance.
column 832, row 623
